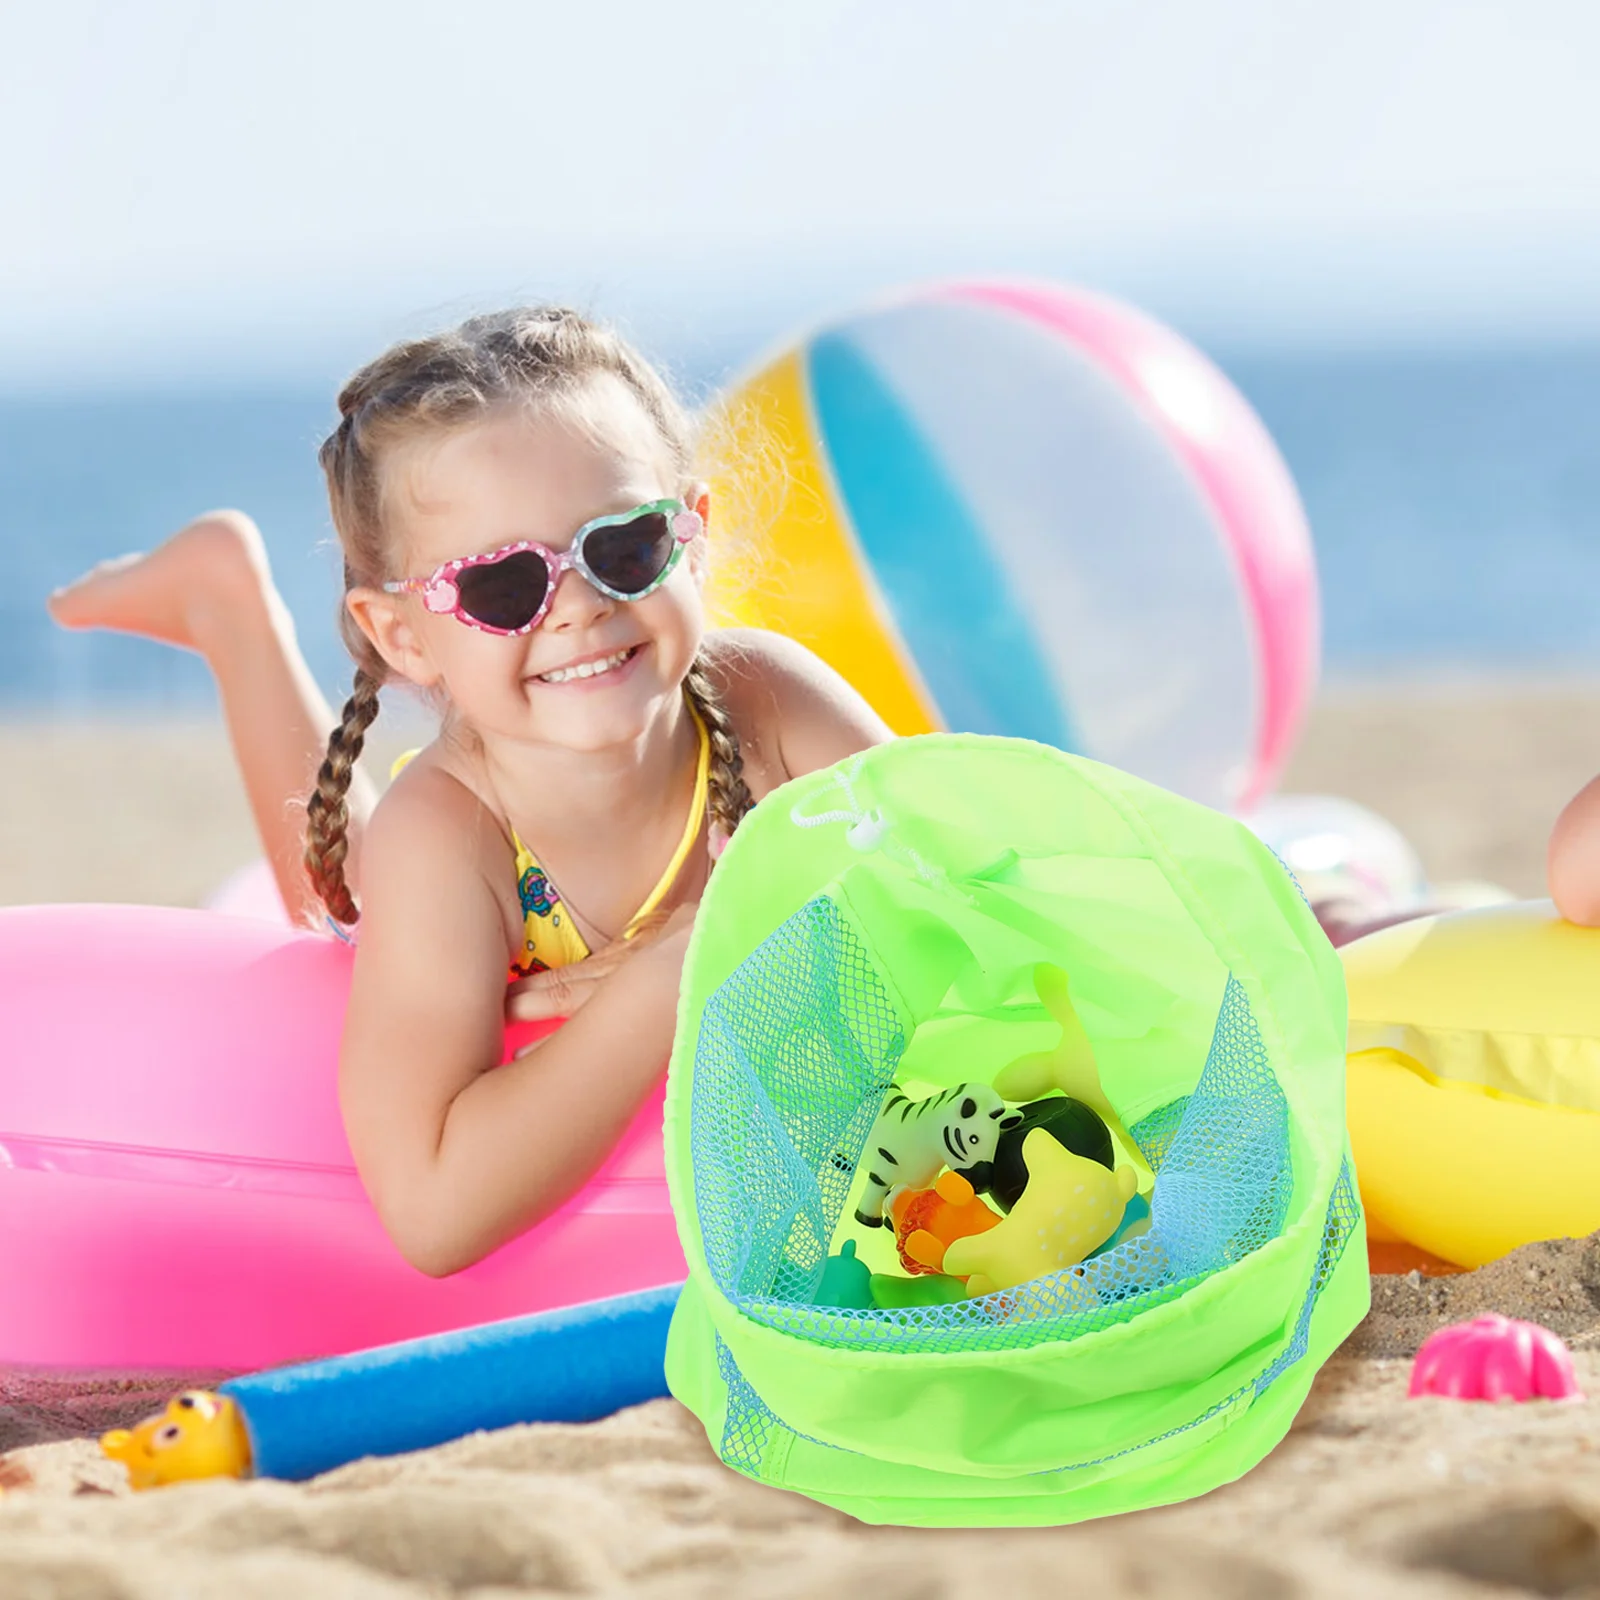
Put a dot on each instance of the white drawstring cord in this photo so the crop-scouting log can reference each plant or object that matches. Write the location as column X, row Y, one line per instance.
column 844, row 779
column 870, row 828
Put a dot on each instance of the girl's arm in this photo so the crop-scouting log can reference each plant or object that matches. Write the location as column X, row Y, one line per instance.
column 1574, row 858
column 458, row 1154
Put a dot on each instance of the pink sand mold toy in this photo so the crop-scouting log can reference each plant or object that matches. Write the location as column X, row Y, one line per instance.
column 176, row 1190
column 1495, row 1358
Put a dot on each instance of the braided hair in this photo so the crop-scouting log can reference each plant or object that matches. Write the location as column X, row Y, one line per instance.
column 536, row 355
column 327, row 814
column 727, row 798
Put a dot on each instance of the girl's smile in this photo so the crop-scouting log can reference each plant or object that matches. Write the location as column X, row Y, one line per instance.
column 596, row 671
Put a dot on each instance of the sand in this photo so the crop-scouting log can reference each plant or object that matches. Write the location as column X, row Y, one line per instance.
column 1473, row 773
column 1370, row 1494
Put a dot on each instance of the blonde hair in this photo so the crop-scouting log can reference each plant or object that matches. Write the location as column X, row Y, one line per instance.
column 531, row 356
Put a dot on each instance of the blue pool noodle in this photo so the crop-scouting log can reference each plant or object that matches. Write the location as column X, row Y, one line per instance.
column 572, row 1365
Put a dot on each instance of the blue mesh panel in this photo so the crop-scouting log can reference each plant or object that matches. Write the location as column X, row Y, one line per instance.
column 796, row 1052
column 748, row 1424
column 1344, row 1211
column 1155, row 1133
column 1222, row 1188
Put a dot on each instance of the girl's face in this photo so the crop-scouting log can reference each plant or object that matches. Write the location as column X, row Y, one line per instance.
column 519, row 476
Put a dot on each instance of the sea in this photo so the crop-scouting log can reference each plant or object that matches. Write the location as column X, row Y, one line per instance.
column 1454, row 497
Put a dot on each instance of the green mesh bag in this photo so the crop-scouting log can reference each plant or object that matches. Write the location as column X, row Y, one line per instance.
column 882, row 923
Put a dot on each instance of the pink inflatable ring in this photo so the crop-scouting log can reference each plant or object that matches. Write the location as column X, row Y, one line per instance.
column 175, row 1185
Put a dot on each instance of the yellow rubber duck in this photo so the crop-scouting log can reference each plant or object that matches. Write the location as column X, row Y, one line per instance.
column 199, row 1435
column 1071, row 1206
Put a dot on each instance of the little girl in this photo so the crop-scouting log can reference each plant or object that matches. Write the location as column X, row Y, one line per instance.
column 524, row 541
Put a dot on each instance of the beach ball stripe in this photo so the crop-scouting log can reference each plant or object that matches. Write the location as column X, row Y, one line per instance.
column 1031, row 511
column 952, row 601
column 785, row 556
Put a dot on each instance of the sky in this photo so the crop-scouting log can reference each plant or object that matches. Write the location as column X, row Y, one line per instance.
column 271, row 190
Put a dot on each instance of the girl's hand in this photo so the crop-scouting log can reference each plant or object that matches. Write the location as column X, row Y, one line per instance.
column 562, row 991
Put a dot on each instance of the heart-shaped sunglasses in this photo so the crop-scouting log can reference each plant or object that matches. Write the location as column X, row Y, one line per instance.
column 508, row 591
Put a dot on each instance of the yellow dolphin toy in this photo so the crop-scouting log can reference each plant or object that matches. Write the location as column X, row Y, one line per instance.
column 199, row 1435
column 1070, row 1067
column 1071, row 1206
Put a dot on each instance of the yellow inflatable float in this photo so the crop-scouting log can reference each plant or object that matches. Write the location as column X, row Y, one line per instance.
column 1474, row 1081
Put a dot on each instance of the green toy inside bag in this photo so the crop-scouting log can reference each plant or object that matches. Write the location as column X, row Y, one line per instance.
column 957, row 911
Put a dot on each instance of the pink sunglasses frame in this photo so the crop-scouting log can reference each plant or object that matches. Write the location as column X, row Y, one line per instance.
column 442, row 595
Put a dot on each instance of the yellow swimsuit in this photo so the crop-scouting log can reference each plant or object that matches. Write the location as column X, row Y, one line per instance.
column 550, row 937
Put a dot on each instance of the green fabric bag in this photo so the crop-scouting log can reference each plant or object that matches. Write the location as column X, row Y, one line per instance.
column 882, row 923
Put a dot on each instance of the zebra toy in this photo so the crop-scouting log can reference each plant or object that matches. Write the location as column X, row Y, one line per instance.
column 913, row 1139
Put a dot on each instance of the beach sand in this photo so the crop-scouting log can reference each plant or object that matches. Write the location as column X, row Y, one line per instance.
column 1370, row 1495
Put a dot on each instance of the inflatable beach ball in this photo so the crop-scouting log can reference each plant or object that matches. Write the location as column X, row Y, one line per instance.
column 1027, row 510
column 1340, row 851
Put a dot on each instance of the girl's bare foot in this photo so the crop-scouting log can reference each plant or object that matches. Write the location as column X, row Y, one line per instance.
column 183, row 592
column 208, row 589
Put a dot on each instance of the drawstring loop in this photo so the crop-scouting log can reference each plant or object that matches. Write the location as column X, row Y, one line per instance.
column 869, row 828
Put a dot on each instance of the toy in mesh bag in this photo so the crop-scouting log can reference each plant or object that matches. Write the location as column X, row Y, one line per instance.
column 1061, row 1196
column 1170, row 1240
